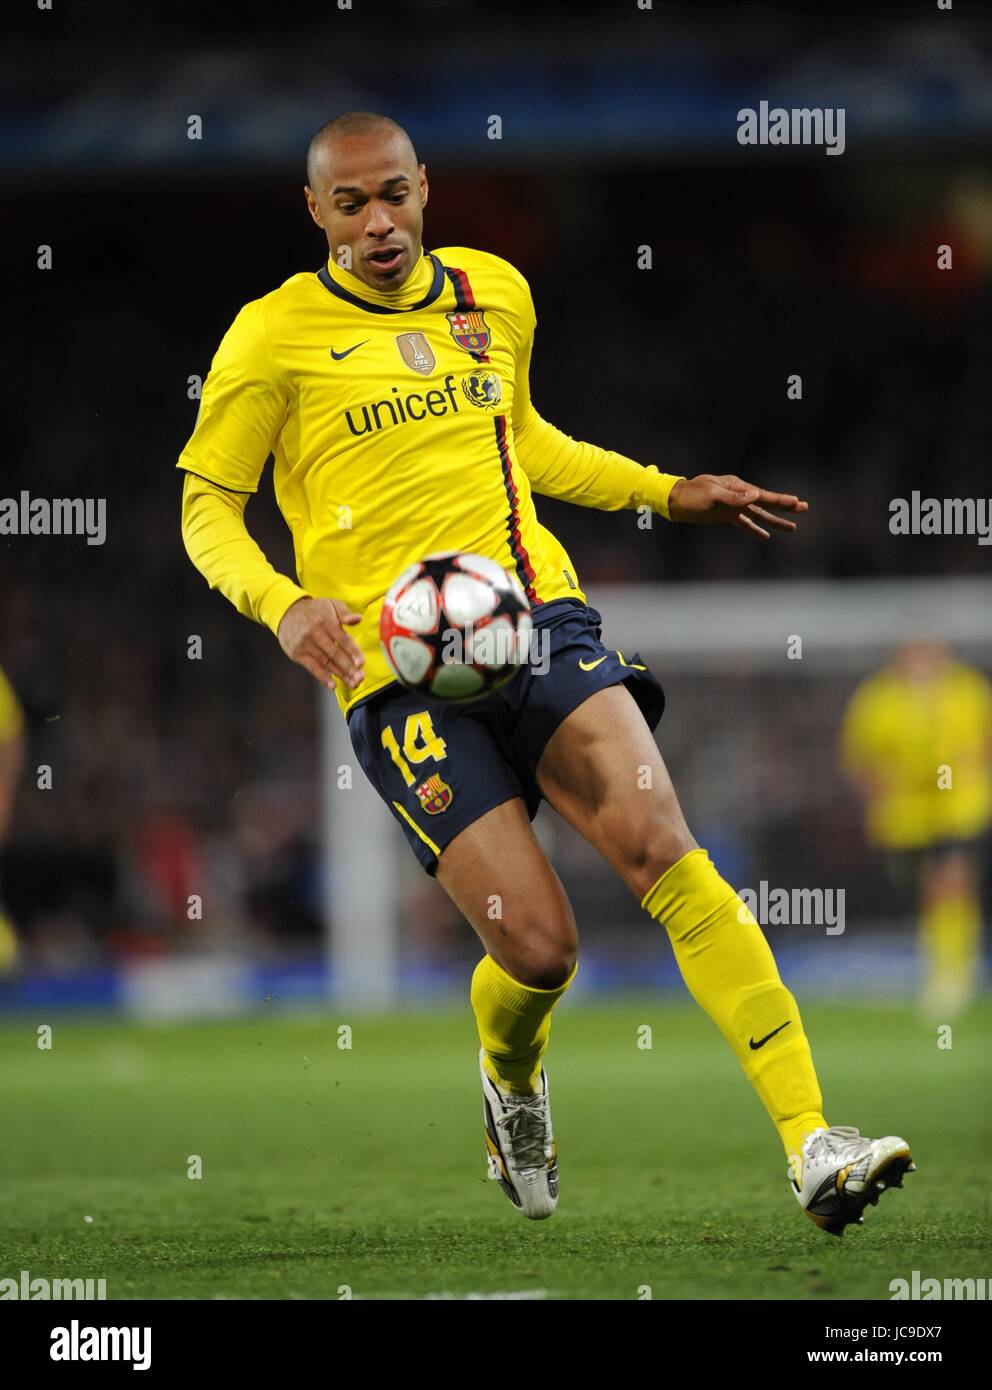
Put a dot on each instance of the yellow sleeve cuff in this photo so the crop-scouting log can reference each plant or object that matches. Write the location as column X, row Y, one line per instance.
column 657, row 488
column 278, row 600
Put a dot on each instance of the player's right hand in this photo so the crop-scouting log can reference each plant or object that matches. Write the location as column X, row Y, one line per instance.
column 712, row 499
column 312, row 634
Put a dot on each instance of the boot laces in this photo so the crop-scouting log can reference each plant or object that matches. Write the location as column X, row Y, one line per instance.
column 842, row 1141
column 525, row 1128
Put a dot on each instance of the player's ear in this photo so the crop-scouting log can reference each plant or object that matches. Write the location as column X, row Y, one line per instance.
column 312, row 205
column 423, row 185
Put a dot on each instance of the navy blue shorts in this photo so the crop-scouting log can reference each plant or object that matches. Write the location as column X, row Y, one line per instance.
column 906, row 866
column 440, row 766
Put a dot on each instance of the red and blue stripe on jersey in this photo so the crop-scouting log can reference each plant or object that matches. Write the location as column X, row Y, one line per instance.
column 465, row 299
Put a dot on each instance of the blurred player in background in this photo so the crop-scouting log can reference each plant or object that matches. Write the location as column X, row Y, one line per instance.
column 363, row 379
column 11, row 761
column 917, row 743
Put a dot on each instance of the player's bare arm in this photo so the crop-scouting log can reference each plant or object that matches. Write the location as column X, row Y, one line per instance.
column 711, row 499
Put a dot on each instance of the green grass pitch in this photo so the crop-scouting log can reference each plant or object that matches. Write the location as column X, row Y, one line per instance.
column 326, row 1168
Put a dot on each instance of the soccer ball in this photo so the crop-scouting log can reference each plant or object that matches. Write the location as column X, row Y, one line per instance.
column 455, row 626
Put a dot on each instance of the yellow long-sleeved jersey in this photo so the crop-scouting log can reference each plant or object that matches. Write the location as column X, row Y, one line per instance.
column 924, row 753
column 11, row 714
column 401, row 424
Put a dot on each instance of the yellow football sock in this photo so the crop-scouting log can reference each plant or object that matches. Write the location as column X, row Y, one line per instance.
column 730, row 971
column 950, row 933
column 514, row 1025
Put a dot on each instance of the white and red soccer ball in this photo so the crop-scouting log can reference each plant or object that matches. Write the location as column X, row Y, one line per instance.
column 455, row 626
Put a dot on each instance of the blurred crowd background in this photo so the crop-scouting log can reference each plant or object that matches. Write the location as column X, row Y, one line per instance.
column 619, row 132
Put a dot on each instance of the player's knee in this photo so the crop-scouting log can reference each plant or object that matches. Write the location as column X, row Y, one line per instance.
column 547, row 950
column 950, row 878
column 550, row 971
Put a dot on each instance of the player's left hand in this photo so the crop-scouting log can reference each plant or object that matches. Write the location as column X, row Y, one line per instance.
column 709, row 500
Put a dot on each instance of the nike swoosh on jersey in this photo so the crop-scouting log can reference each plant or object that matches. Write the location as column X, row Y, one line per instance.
column 338, row 355
column 588, row 665
column 761, row 1042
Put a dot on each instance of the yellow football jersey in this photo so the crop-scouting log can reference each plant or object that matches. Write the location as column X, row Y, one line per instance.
column 908, row 739
column 11, row 714
column 401, row 424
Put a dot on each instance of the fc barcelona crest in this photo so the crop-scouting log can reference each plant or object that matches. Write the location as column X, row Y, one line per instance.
column 435, row 795
column 468, row 328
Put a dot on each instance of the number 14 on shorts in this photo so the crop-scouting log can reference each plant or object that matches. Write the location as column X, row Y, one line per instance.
column 420, row 741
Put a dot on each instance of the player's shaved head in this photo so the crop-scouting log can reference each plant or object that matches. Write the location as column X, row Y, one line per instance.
column 352, row 123
column 367, row 192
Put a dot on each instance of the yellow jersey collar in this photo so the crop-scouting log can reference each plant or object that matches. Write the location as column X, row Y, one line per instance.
column 422, row 287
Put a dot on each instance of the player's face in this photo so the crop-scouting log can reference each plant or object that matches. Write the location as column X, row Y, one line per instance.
column 922, row 660
column 370, row 197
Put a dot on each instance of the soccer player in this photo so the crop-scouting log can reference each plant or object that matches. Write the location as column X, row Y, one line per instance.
column 11, row 760
column 917, row 743
column 392, row 387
